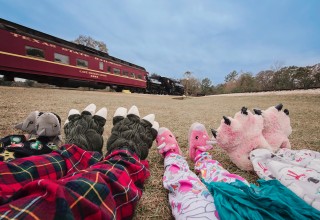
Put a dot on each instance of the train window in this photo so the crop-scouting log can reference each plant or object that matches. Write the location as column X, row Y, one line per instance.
column 139, row 76
column 61, row 58
column 82, row 63
column 116, row 71
column 132, row 75
column 125, row 73
column 109, row 69
column 101, row 65
column 34, row 52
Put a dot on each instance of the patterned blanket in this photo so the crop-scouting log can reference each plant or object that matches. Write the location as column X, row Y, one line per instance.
column 72, row 183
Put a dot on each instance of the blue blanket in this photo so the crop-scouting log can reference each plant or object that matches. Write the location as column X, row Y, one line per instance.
column 270, row 200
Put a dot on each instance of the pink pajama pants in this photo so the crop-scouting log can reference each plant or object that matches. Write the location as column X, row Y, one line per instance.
column 188, row 196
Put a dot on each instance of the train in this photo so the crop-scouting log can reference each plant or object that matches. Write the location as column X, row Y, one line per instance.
column 30, row 54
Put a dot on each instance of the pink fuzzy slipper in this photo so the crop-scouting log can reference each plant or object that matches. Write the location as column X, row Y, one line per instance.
column 166, row 142
column 277, row 127
column 199, row 140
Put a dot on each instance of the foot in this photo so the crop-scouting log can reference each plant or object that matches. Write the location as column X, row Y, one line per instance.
column 276, row 127
column 130, row 131
column 199, row 140
column 85, row 129
column 166, row 142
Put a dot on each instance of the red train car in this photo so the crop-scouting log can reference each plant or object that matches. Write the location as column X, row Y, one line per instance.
column 30, row 54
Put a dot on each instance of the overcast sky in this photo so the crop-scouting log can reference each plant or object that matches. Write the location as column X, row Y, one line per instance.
column 209, row 38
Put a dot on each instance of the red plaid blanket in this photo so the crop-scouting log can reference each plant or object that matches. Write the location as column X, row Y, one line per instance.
column 72, row 184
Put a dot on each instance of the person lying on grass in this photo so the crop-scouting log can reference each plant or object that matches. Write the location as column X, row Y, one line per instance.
column 76, row 181
column 217, row 194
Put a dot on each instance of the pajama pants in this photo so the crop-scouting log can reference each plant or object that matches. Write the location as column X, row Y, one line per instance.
column 188, row 196
column 299, row 170
column 72, row 184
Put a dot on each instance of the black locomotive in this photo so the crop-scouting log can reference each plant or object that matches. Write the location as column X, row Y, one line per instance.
column 164, row 86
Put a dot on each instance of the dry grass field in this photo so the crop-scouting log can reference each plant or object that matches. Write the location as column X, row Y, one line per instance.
column 171, row 112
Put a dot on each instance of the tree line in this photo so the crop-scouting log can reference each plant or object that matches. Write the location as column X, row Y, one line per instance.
column 286, row 78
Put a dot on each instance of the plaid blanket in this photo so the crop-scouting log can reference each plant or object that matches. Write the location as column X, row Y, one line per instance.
column 72, row 184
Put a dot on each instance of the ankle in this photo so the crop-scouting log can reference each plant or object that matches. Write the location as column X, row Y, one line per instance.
column 170, row 152
column 203, row 155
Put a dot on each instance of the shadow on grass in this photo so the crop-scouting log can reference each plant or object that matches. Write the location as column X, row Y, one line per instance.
column 182, row 97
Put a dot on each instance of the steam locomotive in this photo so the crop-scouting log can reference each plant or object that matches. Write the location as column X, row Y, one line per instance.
column 164, row 85
column 31, row 54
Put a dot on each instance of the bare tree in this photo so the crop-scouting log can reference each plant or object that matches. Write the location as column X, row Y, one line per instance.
column 191, row 84
column 315, row 72
column 277, row 65
column 264, row 80
column 186, row 85
column 90, row 42
column 303, row 78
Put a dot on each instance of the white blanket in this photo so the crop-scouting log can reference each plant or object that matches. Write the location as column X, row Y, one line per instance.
column 299, row 170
